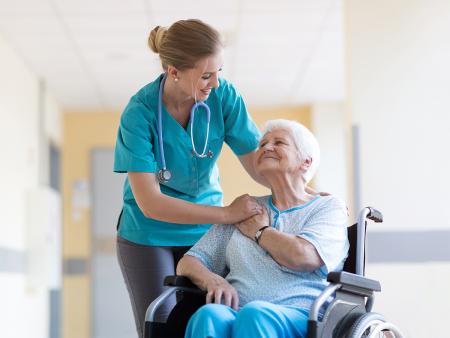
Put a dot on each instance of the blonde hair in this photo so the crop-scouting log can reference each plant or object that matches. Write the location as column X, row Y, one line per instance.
column 184, row 43
column 305, row 142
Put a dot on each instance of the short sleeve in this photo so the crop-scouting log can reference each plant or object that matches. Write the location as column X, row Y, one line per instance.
column 211, row 248
column 326, row 230
column 134, row 145
column 241, row 133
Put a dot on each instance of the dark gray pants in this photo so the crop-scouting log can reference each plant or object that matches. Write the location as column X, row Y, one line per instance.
column 144, row 268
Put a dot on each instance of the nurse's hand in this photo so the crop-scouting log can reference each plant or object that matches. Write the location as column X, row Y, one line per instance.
column 219, row 291
column 243, row 207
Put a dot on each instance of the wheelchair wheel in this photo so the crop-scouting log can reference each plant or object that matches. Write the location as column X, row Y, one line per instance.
column 365, row 325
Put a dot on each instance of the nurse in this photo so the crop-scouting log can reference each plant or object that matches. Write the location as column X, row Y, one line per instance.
column 162, row 218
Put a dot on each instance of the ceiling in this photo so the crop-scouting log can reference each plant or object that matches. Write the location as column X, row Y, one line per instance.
column 93, row 54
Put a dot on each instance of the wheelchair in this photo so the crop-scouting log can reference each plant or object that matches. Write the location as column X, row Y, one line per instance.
column 348, row 315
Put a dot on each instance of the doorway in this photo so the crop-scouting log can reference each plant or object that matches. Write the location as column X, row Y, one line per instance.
column 112, row 316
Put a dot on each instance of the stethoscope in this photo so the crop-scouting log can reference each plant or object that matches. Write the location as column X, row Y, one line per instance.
column 164, row 174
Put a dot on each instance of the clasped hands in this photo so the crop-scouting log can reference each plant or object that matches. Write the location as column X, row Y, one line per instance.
column 250, row 226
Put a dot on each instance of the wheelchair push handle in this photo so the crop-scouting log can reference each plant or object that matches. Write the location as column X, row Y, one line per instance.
column 375, row 215
column 366, row 213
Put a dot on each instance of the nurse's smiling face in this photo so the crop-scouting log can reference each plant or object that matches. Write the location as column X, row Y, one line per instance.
column 198, row 82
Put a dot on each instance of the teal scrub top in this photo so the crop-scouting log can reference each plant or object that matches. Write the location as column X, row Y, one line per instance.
column 193, row 179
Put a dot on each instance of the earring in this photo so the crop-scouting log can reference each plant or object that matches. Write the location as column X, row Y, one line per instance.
column 175, row 79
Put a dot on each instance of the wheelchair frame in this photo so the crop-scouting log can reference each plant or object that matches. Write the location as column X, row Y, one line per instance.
column 348, row 315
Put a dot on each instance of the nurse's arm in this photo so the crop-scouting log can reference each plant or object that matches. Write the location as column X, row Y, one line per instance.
column 248, row 162
column 156, row 205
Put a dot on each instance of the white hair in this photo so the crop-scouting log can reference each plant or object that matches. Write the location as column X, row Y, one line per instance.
column 304, row 140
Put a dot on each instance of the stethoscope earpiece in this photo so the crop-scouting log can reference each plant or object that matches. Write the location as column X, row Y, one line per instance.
column 209, row 154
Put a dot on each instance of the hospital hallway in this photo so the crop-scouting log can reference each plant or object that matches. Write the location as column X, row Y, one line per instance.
column 370, row 79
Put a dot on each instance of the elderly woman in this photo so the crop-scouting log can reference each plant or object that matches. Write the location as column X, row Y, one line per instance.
column 263, row 274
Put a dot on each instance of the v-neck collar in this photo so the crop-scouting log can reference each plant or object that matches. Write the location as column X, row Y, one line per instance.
column 278, row 212
column 168, row 116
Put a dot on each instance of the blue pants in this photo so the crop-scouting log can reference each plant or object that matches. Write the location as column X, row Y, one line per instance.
column 255, row 319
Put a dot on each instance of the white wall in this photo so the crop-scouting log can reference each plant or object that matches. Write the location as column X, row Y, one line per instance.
column 399, row 85
column 19, row 135
column 21, row 161
column 52, row 120
column 328, row 122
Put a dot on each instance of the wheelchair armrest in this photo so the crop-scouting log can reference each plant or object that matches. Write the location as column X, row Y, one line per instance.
column 183, row 283
column 175, row 283
column 353, row 282
column 179, row 281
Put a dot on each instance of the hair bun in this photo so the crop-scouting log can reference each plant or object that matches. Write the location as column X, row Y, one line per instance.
column 156, row 37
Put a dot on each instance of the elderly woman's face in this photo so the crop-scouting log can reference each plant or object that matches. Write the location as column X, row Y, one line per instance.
column 277, row 152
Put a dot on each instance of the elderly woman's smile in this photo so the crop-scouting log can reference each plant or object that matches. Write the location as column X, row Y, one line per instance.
column 276, row 151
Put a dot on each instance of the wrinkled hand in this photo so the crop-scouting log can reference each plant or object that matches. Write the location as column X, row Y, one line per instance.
column 242, row 208
column 313, row 192
column 250, row 226
column 324, row 193
column 219, row 291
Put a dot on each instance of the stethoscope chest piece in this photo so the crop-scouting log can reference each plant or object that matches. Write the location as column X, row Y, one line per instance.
column 164, row 175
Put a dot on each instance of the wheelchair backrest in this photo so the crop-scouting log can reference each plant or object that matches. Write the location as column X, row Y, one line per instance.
column 350, row 262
